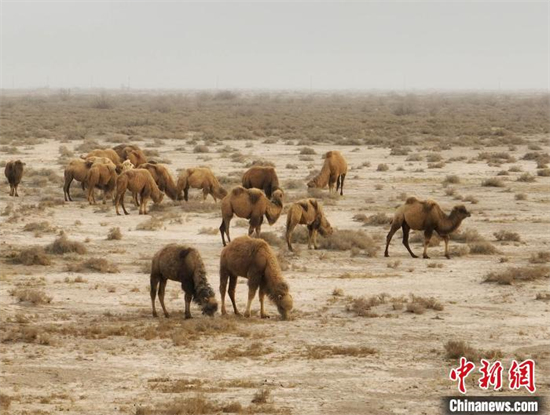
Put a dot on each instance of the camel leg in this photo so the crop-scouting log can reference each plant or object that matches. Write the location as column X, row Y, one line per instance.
column 288, row 235
column 309, row 236
column 393, row 229
column 136, row 201
column 223, row 288
column 446, row 240
column 122, row 203
column 16, row 193
column 186, row 194
column 224, row 230
column 261, row 294
column 337, row 183
column 427, row 237
column 162, row 289
column 144, row 201
column 154, row 286
column 251, row 294
column 188, row 298
column 314, row 237
column 117, row 203
column 11, row 190
column 232, row 287
column 66, row 189
column 406, row 230
column 342, row 177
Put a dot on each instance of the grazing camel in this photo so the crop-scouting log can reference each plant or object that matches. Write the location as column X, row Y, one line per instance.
column 182, row 264
column 163, row 179
column 14, row 174
column 77, row 169
column 334, row 170
column 251, row 204
column 425, row 216
column 254, row 260
column 307, row 212
column 140, row 182
column 200, row 178
column 131, row 152
column 261, row 177
column 108, row 153
column 102, row 176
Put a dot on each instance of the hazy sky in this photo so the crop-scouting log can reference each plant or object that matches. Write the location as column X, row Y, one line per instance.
column 466, row 45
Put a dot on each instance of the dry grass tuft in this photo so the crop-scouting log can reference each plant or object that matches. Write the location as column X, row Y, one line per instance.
column 39, row 227
column 378, row 219
column 418, row 305
column 518, row 274
column 526, row 178
column 483, row 248
column 493, row 182
column 30, row 295
column 261, row 396
column 541, row 257
column 34, row 255
column 325, row 352
column 254, row 350
column 114, row 234
column 96, row 264
column 152, row 224
column 455, row 349
column 63, row 245
column 503, row 235
column 5, row 401
column 345, row 240
column 382, row 167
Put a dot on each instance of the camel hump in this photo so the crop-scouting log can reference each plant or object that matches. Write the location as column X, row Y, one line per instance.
column 314, row 203
column 304, row 204
column 430, row 204
column 254, row 197
column 237, row 191
column 329, row 154
column 411, row 200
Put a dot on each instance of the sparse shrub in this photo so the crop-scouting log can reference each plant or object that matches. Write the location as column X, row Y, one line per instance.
column 338, row 292
column 326, row 351
column 520, row 196
column 540, row 258
column 518, row 274
column 503, row 235
column 455, row 349
column 35, row 255
column 308, row 151
column 30, row 295
column 261, row 396
column 382, row 167
column 362, row 306
column 209, row 231
column 483, row 248
column 272, row 239
column 345, row 240
column 434, row 158
column 63, row 245
column 152, row 224
column 472, row 199
column 39, row 227
column 526, row 178
column 543, row 172
column 102, row 102
column 291, row 166
column 201, row 149
column 100, row 265
column 451, row 179
column 492, row 182
column 418, row 305
column 5, row 401
column 114, row 234
column 414, row 157
column 378, row 219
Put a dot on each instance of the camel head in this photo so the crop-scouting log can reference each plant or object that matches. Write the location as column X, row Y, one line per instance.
column 220, row 192
column 209, row 305
column 460, row 212
column 127, row 165
column 311, row 183
column 159, row 199
column 284, row 305
column 324, row 227
column 277, row 197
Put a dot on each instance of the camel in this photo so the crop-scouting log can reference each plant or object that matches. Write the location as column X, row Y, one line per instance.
column 108, row 153
column 102, row 176
column 261, row 177
column 14, row 174
column 425, row 216
column 334, row 170
column 77, row 169
column 200, row 178
column 163, row 179
column 307, row 212
column 131, row 152
column 254, row 260
column 137, row 181
column 251, row 204
column 184, row 265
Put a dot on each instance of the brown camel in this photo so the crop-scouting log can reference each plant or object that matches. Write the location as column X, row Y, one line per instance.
column 77, row 169
column 163, row 179
column 131, row 152
column 251, row 204
column 307, row 212
column 425, row 216
column 254, row 260
column 102, row 176
column 182, row 264
column 14, row 173
column 108, row 153
column 200, row 178
column 334, row 170
column 261, row 177
column 140, row 182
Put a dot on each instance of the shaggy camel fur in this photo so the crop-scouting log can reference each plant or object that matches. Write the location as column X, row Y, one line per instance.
column 261, row 177
column 77, row 169
column 200, row 178
column 334, row 170
column 184, row 265
column 14, row 174
column 131, row 152
column 307, row 212
column 163, row 179
column 102, row 176
column 108, row 153
column 137, row 181
column 425, row 216
column 255, row 260
column 251, row 204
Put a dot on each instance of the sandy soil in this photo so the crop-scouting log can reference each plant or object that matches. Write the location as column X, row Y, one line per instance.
column 104, row 353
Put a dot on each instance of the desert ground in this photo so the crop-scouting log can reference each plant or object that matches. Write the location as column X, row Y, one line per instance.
column 368, row 334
